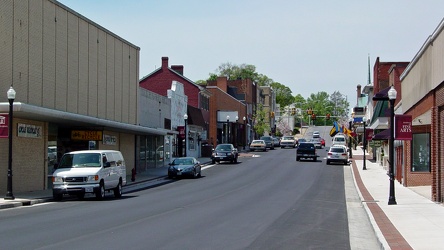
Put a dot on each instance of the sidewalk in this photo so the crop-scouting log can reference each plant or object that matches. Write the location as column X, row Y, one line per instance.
column 414, row 223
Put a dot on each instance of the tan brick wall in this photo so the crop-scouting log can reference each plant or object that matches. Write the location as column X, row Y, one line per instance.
column 29, row 160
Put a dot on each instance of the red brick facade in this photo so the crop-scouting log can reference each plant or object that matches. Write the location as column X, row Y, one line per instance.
column 437, row 146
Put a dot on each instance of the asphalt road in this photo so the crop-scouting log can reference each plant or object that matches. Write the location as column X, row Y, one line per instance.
column 268, row 201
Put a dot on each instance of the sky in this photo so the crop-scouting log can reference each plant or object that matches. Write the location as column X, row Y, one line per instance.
column 308, row 46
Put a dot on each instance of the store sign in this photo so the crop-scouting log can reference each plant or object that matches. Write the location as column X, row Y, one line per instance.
column 30, row 131
column 4, row 126
column 109, row 140
column 86, row 135
column 181, row 130
column 403, row 127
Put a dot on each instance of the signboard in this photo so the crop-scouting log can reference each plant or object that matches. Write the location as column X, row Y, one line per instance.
column 109, row 139
column 4, row 125
column 30, row 131
column 403, row 127
column 369, row 134
column 181, row 130
column 86, row 135
column 375, row 143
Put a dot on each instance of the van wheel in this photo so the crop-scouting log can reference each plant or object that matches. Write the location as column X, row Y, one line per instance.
column 100, row 193
column 118, row 190
column 81, row 196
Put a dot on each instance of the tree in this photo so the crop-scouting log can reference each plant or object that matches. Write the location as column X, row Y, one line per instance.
column 283, row 127
column 259, row 124
column 283, row 94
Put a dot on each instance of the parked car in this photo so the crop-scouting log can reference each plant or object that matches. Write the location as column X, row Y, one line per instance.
column 306, row 150
column 269, row 141
column 224, row 152
column 185, row 166
column 89, row 171
column 258, row 145
column 288, row 141
column 276, row 142
column 337, row 154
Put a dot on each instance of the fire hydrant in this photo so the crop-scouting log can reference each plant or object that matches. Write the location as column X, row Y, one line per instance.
column 133, row 174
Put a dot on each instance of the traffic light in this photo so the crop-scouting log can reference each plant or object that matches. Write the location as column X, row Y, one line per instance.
column 328, row 116
column 272, row 114
column 313, row 116
column 309, row 111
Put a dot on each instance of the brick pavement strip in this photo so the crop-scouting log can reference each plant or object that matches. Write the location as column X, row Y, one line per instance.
column 391, row 234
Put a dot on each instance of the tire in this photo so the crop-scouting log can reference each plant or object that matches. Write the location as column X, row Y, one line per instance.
column 315, row 158
column 57, row 197
column 265, row 149
column 81, row 196
column 199, row 174
column 235, row 160
column 328, row 163
column 118, row 190
column 100, row 193
column 298, row 159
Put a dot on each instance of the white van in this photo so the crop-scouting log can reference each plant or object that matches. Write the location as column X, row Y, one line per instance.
column 89, row 171
column 339, row 140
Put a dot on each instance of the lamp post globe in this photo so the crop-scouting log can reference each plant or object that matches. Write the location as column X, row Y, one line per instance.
column 11, row 96
column 392, row 97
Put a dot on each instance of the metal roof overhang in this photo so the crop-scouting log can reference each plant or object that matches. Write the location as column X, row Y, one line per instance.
column 26, row 111
column 380, row 123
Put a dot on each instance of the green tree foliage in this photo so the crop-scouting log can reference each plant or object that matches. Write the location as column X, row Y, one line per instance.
column 283, row 94
column 259, row 121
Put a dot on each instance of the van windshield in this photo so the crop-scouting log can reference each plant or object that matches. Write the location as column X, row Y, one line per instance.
column 84, row 160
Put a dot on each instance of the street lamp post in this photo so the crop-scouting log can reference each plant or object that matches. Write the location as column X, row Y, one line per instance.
column 245, row 131
column 364, row 146
column 228, row 129
column 185, row 117
column 235, row 132
column 11, row 96
column 350, row 141
column 392, row 97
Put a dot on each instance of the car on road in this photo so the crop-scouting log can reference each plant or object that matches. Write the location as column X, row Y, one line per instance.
column 323, row 142
column 185, row 167
column 224, row 152
column 276, row 142
column 269, row 141
column 316, row 142
column 258, row 145
column 288, row 141
column 306, row 150
column 339, row 140
column 316, row 134
column 337, row 154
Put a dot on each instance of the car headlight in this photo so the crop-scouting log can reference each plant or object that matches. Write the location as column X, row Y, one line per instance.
column 57, row 179
column 93, row 178
column 229, row 153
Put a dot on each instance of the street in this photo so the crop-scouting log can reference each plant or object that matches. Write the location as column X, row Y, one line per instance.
column 269, row 201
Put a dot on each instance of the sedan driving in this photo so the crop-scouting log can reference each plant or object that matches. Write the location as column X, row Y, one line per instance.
column 185, row 166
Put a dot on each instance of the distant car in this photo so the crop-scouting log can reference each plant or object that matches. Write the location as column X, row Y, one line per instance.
column 316, row 134
column 258, row 145
column 276, row 142
column 322, row 142
column 339, row 140
column 337, row 154
column 224, row 152
column 288, row 141
column 185, row 166
column 301, row 140
column 269, row 141
column 52, row 154
column 317, row 142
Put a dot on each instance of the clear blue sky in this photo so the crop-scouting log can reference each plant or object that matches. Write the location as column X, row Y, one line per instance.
column 309, row 46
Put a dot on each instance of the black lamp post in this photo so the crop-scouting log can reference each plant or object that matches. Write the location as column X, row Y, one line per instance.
column 11, row 96
column 364, row 142
column 392, row 97
column 245, row 131
column 228, row 129
column 185, row 117
column 350, row 141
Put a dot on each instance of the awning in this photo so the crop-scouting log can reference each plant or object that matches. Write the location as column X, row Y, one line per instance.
column 382, row 136
column 380, row 123
column 382, row 95
column 195, row 117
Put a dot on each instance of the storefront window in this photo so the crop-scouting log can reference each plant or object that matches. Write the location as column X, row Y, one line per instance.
column 421, row 152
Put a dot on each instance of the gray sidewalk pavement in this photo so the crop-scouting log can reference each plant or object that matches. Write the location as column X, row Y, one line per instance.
column 415, row 222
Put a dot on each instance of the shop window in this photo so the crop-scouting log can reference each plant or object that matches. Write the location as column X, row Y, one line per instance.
column 421, row 152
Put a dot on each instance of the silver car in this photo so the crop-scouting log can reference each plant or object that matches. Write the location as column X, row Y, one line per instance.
column 337, row 154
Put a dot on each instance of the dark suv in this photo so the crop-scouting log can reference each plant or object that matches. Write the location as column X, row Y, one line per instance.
column 224, row 152
column 268, row 141
column 306, row 150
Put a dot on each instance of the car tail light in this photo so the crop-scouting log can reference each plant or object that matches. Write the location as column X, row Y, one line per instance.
column 330, row 153
column 344, row 154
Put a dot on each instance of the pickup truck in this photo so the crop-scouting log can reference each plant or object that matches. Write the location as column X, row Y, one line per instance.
column 306, row 150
